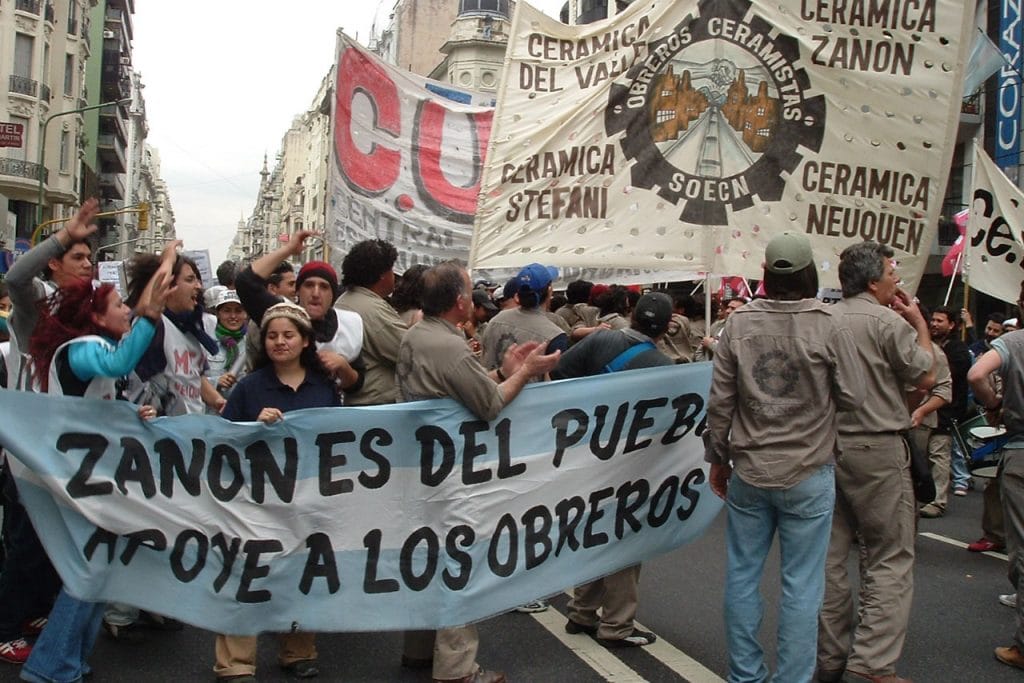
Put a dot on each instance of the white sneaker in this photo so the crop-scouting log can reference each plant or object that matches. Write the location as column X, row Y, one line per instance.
column 1009, row 599
column 533, row 607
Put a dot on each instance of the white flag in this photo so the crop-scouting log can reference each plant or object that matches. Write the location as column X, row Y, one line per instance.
column 995, row 245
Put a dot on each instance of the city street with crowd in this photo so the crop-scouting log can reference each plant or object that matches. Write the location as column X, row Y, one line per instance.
column 850, row 431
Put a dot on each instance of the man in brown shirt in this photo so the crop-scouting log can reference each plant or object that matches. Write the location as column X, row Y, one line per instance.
column 434, row 361
column 368, row 277
column 784, row 366
column 875, row 506
column 527, row 321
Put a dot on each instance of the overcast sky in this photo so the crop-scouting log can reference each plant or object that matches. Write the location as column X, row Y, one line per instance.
column 223, row 81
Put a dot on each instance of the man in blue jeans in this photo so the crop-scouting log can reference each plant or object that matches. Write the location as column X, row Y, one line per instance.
column 783, row 367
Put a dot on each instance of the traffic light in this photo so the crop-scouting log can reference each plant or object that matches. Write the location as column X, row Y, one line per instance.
column 143, row 216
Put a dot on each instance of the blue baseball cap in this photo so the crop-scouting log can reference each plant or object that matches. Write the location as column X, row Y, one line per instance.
column 536, row 278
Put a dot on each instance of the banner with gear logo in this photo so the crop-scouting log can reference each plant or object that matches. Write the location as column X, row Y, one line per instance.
column 684, row 135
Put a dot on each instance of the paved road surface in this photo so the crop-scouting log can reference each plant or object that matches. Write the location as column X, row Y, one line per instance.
column 955, row 624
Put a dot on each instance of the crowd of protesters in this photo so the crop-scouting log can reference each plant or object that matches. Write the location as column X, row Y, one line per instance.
column 816, row 415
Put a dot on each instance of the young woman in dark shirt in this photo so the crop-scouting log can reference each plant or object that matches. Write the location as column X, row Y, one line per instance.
column 288, row 376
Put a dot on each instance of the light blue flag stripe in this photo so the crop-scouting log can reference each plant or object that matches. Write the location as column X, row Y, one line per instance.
column 401, row 584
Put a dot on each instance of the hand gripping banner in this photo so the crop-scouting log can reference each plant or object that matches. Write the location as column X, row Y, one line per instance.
column 408, row 516
column 685, row 135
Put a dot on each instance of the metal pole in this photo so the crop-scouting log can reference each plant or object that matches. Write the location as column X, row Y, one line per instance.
column 952, row 279
column 42, row 146
column 707, row 304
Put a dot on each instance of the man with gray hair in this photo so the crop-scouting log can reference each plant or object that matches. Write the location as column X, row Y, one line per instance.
column 875, row 506
column 434, row 361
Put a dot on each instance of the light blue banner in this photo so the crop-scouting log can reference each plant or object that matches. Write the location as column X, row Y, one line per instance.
column 405, row 516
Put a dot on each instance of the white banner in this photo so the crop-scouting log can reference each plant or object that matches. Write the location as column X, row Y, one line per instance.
column 406, row 516
column 995, row 232
column 683, row 135
column 406, row 159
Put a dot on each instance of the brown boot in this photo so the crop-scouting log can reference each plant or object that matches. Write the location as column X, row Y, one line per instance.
column 1011, row 656
column 857, row 677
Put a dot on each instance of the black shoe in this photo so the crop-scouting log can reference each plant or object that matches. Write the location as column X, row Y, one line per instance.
column 417, row 662
column 304, row 668
column 158, row 622
column 576, row 627
column 131, row 633
column 637, row 638
column 826, row 676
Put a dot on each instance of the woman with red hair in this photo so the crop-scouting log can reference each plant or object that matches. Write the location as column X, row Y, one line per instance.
column 83, row 343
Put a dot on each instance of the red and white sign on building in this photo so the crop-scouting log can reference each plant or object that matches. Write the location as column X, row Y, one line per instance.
column 11, row 134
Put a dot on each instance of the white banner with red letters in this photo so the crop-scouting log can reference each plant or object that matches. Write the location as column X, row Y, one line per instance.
column 406, row 158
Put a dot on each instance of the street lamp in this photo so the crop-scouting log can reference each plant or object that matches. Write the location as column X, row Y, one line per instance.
column 42, row 145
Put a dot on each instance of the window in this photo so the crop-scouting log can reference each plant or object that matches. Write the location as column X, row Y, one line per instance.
column 764, row 132
column 493, row 6
column 760, row 111
column 24, row 46
column 69, row 75
column 65, row 151
column 666, row 93
column 73, row 17
column 665, row 115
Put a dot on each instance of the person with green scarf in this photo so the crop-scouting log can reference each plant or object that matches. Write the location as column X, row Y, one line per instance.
column 227, row 365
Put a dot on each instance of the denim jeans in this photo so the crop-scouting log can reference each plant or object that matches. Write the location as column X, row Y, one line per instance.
column 60, row 653
column 958, row 466
column 802, row 515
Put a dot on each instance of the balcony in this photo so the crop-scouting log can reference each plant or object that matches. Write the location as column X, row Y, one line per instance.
column 23, row 86
column 112, row 121
column 23, row 169
column 111, row 153
column 30, row 6
column 44, row 92
column 112, row 186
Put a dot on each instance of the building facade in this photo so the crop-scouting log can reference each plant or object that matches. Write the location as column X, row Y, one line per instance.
column 61, row 59
column 46, row 46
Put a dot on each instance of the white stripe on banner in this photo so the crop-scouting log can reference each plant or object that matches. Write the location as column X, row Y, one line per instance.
column 387, row 517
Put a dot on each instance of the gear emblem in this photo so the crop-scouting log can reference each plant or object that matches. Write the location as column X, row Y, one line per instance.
column 717, row 112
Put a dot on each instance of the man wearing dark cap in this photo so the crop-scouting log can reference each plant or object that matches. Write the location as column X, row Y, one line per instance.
column 506, row 299
column 875, row 514
column 783, row 367
column 338, row 334
column 527, row 322
column 483, row 310
column 606, row 350
column 369, row 278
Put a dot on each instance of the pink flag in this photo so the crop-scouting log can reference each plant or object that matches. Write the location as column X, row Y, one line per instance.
column 953, row 261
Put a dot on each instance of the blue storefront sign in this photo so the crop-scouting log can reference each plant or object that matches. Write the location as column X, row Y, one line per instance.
column 1007, row 152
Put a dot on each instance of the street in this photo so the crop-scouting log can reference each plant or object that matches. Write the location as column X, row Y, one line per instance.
column 956, row 623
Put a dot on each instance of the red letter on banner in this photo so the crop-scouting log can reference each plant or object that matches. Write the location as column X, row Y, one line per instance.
column 456, row 203
column 374, row 172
